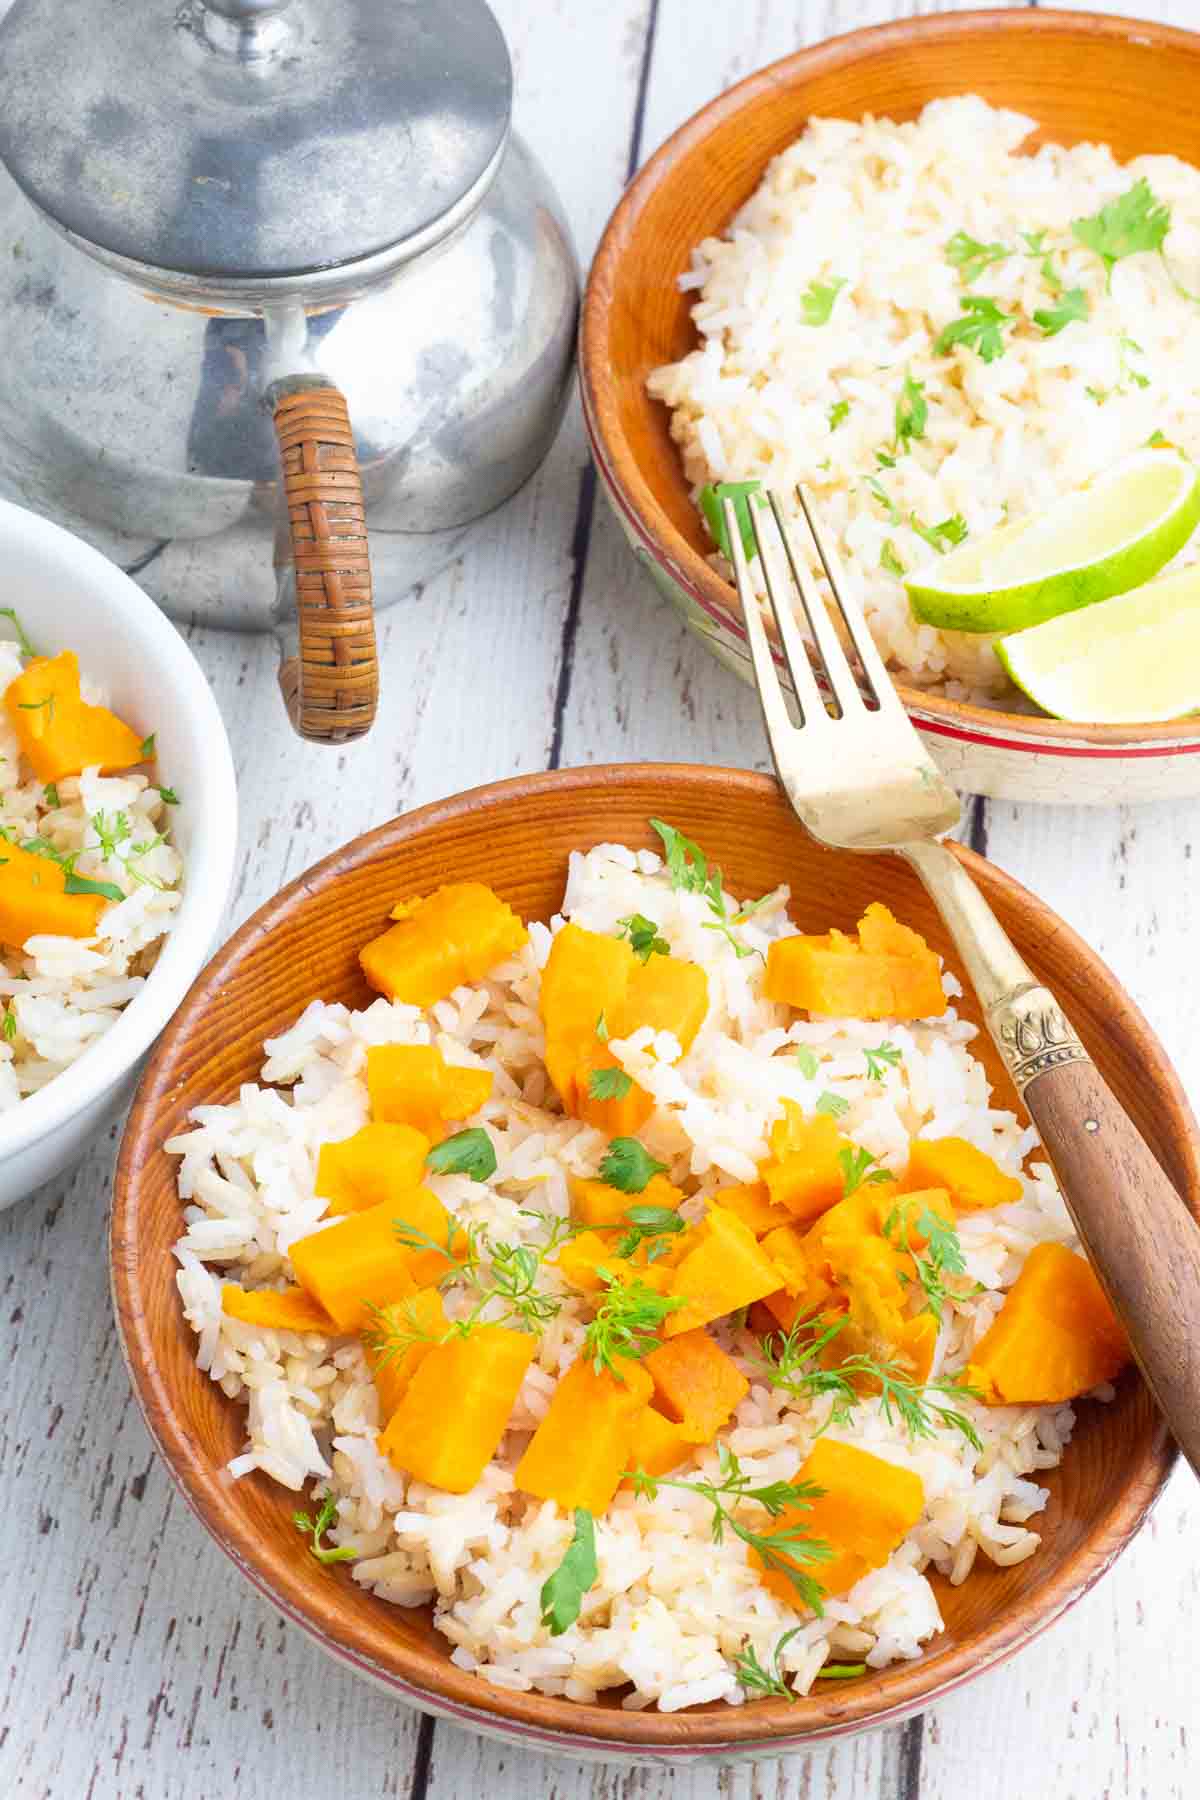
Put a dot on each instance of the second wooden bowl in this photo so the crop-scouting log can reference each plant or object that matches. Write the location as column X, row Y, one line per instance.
column 517, row 836
column 1085, row 78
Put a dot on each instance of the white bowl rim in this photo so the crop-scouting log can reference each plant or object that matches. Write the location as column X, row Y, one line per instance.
column 209, row 870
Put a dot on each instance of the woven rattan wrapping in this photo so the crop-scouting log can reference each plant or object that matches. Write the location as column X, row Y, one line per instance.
column 332, row 688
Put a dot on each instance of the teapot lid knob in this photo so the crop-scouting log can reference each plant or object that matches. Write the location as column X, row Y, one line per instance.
column 252, row 142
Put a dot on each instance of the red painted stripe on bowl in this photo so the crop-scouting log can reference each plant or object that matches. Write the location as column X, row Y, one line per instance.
column 1040, row 747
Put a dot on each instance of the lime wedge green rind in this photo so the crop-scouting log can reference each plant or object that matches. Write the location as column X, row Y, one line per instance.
column 1113, row 536
column 1131, row 660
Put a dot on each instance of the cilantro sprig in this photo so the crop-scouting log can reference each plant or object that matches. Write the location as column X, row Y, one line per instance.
column 689, row 871
column 650, row 1225
column 626, row 1322
column 943, row 1252
column 816, row 302
column 858, row 1171
column 1135, row 221
column 911, row 413
column 629, row 1166
column 316, row 1529
column 470, row 1152
column 643, row 935
column 882, row 1057
column 1069, row 307
column 980, row 327
column 971, row 258
column 608, row 1083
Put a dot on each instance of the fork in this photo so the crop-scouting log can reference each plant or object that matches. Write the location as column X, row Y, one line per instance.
column 859, row 778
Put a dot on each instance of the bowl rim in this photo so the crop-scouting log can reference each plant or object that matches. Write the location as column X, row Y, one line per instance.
column 636, row 504
column 208, row 874
column 428, row 1678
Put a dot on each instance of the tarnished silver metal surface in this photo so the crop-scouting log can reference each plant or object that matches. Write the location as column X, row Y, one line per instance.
column 235, row 138
column 137, row 422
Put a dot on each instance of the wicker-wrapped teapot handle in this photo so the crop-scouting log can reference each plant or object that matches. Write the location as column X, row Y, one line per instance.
column 330, row 685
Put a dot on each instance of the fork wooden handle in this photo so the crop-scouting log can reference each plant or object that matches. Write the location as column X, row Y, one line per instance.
column 1144, row 1243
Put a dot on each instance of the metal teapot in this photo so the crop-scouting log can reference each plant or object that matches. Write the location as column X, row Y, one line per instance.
column 228, row 229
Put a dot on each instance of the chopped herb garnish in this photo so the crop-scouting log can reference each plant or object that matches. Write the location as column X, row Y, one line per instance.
column 816, row 302
column 884, row 459
column 643, row 937
column 148, row 750
column 503, row 1278
column 980, row 328
column 50, row 794
column 10, row 1023
column 316, row 1528
column 857, row 1171
column 766, row 1683
column 839, row 412
column 1137, row 220
column 883, row 1055
column 808, row 1060
column 562, row 1593
column 941, row 537
column 835, row 1106
column 110, row 831
column 782, row 1549
column 1126, row 344
column 626, row 1321
column 712, row 505
column 881, row 494
column 23, row 643
column 648, row 1224
column 688, row 871
column 36, row 706
column 912, row 412
column 629, row 1166
column 889, row 559
column 1156, row 441
column 470, row 1152
column 602, row 1026
column 608, row 1084
column 794, row 1362
column 944, row 1255
column 168, row 796
column 1071, row 306
column 79, row 884
column 971, row 258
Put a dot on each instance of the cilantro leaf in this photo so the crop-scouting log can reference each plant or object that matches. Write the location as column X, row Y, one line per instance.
column 941, row 537
column 647, row 1223
column 79, row 884
column 856, row 1170
column 562, row 1593
column 980, row 328
column 971, row 258
column 629, row 1166
column 688, row 872
column 468, row 1152
column 1071, row 306
column 643, row 937
column 889, row 558
column 912, row 412
column 839, row 412
column 881, row 494
column 712, row 500
column 1137, row 220
column 816, row 302
column 835, row 1106
column 608, row 1084
column 10, row 1024
column 602, row 1026
column 168, row 796
column 885, row 1054
column 808, row 1060
column 148, row 750
column 50, row 794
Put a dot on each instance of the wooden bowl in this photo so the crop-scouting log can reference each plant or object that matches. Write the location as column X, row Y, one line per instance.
column 1128, row 83
column 516, row 836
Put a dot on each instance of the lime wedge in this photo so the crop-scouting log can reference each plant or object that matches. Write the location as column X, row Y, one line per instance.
column 1110, row 537
column 1128, row 661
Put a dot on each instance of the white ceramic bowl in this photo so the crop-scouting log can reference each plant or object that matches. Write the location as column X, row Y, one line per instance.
column 69, row 597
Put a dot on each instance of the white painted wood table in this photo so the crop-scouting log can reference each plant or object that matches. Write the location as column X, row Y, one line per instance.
column 134, row 1663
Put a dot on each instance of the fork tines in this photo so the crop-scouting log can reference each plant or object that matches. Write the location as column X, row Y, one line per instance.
column 786, row 571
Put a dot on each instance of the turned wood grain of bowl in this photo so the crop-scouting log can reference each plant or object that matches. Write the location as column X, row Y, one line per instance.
column 516, row 836
column 1124, row 82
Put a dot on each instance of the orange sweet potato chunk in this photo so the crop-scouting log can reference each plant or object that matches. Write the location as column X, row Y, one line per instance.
column 752, row 1203
column 34, row 900
column 1055, row 1337
column 803, row 1173
column 886, row 972
column 288, row 1309
column 380, row 1162
column 595, row 1203
column 971, row 1178
column 696, row 1384
column 658, row 1444
column 668, row 993
column 413, row 1084
column 582, row 1448
column 723, row 1268
column 422, row 1319
column 453, row 936
column 456, row 1407
column 867, row 1506
column 58, row 731
column 362, row 1261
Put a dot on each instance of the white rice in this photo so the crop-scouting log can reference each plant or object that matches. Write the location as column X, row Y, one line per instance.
column 59, row 994
column 874, row 204
column 671, row 1611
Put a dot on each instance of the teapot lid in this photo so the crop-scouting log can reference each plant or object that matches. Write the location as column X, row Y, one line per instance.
column 252, row 140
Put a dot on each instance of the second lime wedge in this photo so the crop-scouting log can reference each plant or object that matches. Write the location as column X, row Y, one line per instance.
column 1131, row 660
column 1110, row 537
